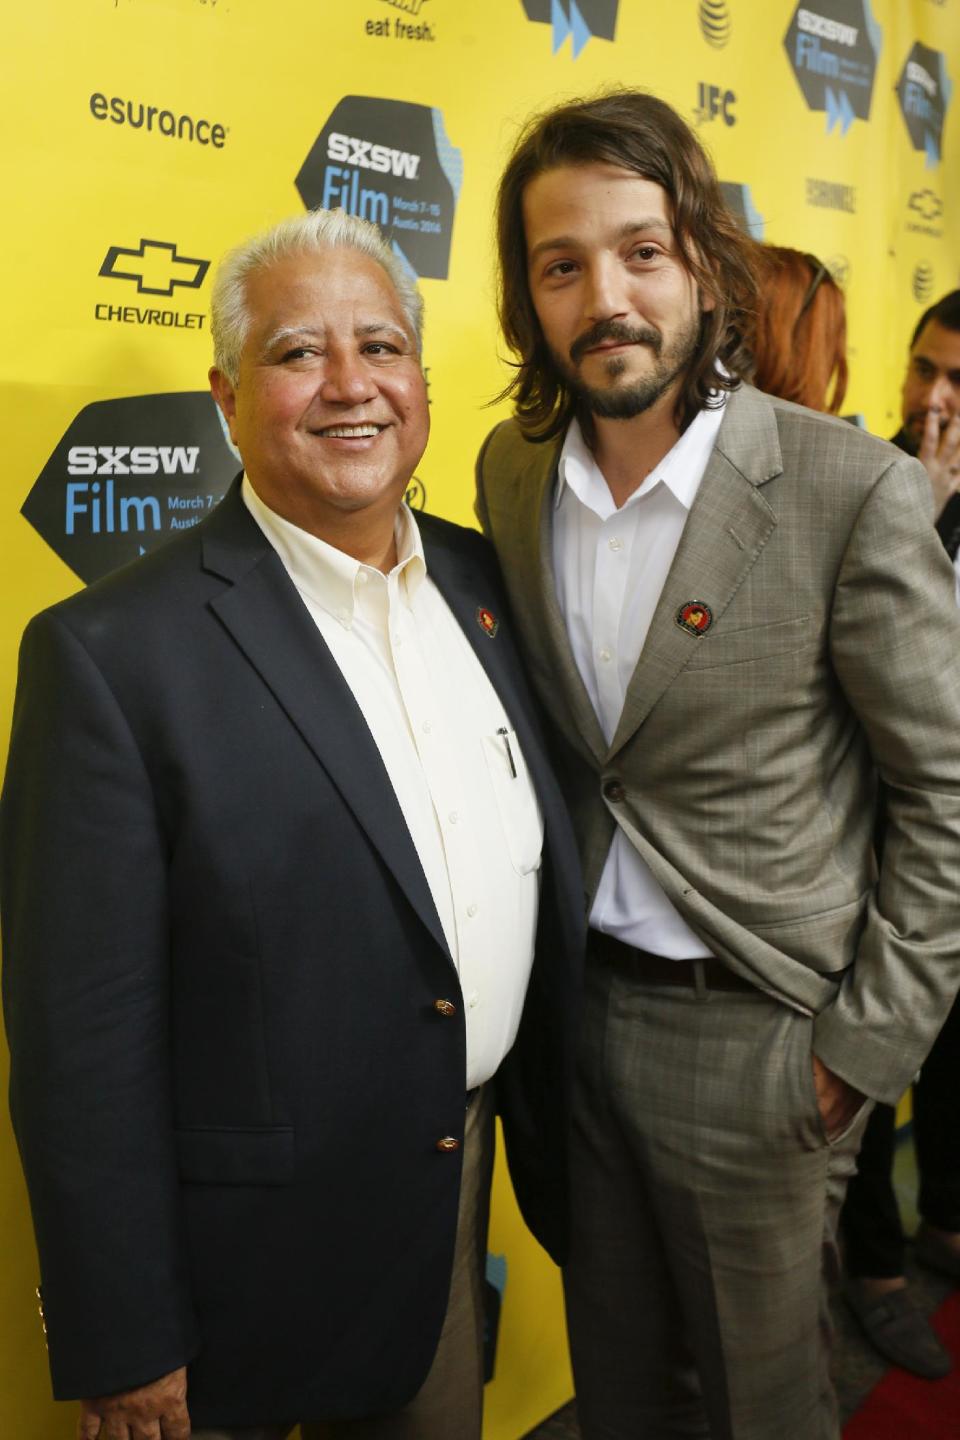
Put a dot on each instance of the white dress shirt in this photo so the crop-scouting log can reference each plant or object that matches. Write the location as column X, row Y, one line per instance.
column 610, row 567
column 443, row 736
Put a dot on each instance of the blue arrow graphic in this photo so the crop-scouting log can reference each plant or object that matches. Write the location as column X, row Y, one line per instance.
column 839, row 110
column 579, row 28
column 561, row 24
column 931, row 149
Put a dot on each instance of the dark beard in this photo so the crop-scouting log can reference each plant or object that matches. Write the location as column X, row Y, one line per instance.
column 626, row 402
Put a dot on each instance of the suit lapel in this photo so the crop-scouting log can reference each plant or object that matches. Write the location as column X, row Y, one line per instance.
column 269, row 622
column 572, row 709
column 727, row 528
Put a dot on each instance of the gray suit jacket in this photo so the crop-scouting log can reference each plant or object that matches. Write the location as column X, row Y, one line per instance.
column 744, row 766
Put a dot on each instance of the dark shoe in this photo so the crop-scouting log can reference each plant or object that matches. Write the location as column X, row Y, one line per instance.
column 897, row 1329
column 931, row 1251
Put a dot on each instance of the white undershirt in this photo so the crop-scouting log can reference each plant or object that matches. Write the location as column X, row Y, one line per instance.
column 610, row 567
column 435, row 719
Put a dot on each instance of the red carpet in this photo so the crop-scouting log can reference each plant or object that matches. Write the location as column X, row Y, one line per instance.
column 902, row 1407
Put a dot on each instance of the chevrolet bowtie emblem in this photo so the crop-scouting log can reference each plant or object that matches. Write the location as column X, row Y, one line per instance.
column 156, row 267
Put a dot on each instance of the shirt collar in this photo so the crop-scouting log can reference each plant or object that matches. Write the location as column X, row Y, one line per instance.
column 328, row 576
column 681, row 469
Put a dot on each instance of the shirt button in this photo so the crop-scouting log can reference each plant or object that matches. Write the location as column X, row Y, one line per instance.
column 444, row 1007
column 615, row 544
column 471, row 911
column 343, row 615
column 604, row 653
column 363, row 577
column 448, row 1144
column 453, row 817
column 426, row 727
column 398, row 641
column 615, row 791
column 473, row 1000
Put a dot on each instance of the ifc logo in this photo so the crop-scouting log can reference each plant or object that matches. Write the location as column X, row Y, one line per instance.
column 922, row 281
column 715, row 22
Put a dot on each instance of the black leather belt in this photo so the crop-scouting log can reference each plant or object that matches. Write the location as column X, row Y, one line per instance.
column 658, row 970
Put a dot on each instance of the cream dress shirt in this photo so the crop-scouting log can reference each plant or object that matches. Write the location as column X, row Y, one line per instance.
column 439, row 727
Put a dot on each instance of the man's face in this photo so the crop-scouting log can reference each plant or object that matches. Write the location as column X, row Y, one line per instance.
column 932, row 380
column 330, row 410
column 619, row 309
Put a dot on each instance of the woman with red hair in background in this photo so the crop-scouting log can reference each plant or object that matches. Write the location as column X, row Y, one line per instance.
column 800, row 331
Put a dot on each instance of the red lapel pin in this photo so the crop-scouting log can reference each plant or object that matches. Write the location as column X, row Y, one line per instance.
column 487, row 621
column 696, row 617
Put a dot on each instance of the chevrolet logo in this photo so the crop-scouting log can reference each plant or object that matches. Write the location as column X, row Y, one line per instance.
column 927, row 205
column 156, row 267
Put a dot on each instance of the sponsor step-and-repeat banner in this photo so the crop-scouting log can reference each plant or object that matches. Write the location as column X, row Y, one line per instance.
column 148, row 136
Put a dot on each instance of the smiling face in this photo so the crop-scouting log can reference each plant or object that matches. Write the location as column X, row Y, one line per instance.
column 329, row 411
column 932, row 380
column 619, row 309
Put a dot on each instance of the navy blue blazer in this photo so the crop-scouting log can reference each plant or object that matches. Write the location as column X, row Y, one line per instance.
column 221, row 962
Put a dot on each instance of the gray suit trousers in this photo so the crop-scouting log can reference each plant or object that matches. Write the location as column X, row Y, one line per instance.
column 705, row 1199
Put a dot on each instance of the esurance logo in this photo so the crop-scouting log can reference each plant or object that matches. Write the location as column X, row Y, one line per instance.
column 739, row 201
column 138, row 116
column 127, row 476
column 391, row 162
column 924, row 90
column 582, row 20
column 715, row 22
column 833, row 49
column 155, row 266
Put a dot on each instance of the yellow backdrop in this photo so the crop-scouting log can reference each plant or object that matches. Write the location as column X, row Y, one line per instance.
column 146, row 136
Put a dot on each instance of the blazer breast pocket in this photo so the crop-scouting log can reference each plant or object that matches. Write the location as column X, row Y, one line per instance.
column 752, row 643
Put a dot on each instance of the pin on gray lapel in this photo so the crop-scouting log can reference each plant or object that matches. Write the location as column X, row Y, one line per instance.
column 696, row 617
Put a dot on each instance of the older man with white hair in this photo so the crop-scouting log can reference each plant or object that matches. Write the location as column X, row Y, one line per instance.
column 282, row 858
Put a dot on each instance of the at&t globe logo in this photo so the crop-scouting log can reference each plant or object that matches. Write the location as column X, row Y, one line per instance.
column 715, row 22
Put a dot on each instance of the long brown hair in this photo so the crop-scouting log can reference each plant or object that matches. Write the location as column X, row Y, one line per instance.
column 800, row 337
column 638, row 132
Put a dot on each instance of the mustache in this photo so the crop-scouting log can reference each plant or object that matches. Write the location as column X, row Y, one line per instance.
column 618, row 332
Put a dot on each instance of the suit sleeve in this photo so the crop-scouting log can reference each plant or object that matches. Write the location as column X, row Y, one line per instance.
column 86, row 985
column 895, row 642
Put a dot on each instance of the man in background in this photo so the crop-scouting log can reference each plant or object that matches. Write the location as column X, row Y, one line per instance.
column 281, row 859
column 874, row 1242
column 736, row 613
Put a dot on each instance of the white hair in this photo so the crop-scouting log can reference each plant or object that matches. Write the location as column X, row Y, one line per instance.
column 318, row 230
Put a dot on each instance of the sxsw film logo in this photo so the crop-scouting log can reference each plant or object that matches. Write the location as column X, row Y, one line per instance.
column 739, row 202
column 924, row 90
column 922, row 282
column 833, row 49
column 127, row 475
column 715, row 22
column 391, row 162
column 155, row 266
column 582, row 20
column 713, row 102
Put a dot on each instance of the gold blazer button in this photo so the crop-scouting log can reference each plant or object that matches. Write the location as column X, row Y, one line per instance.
column 448, row 1144
column 444, row 1007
